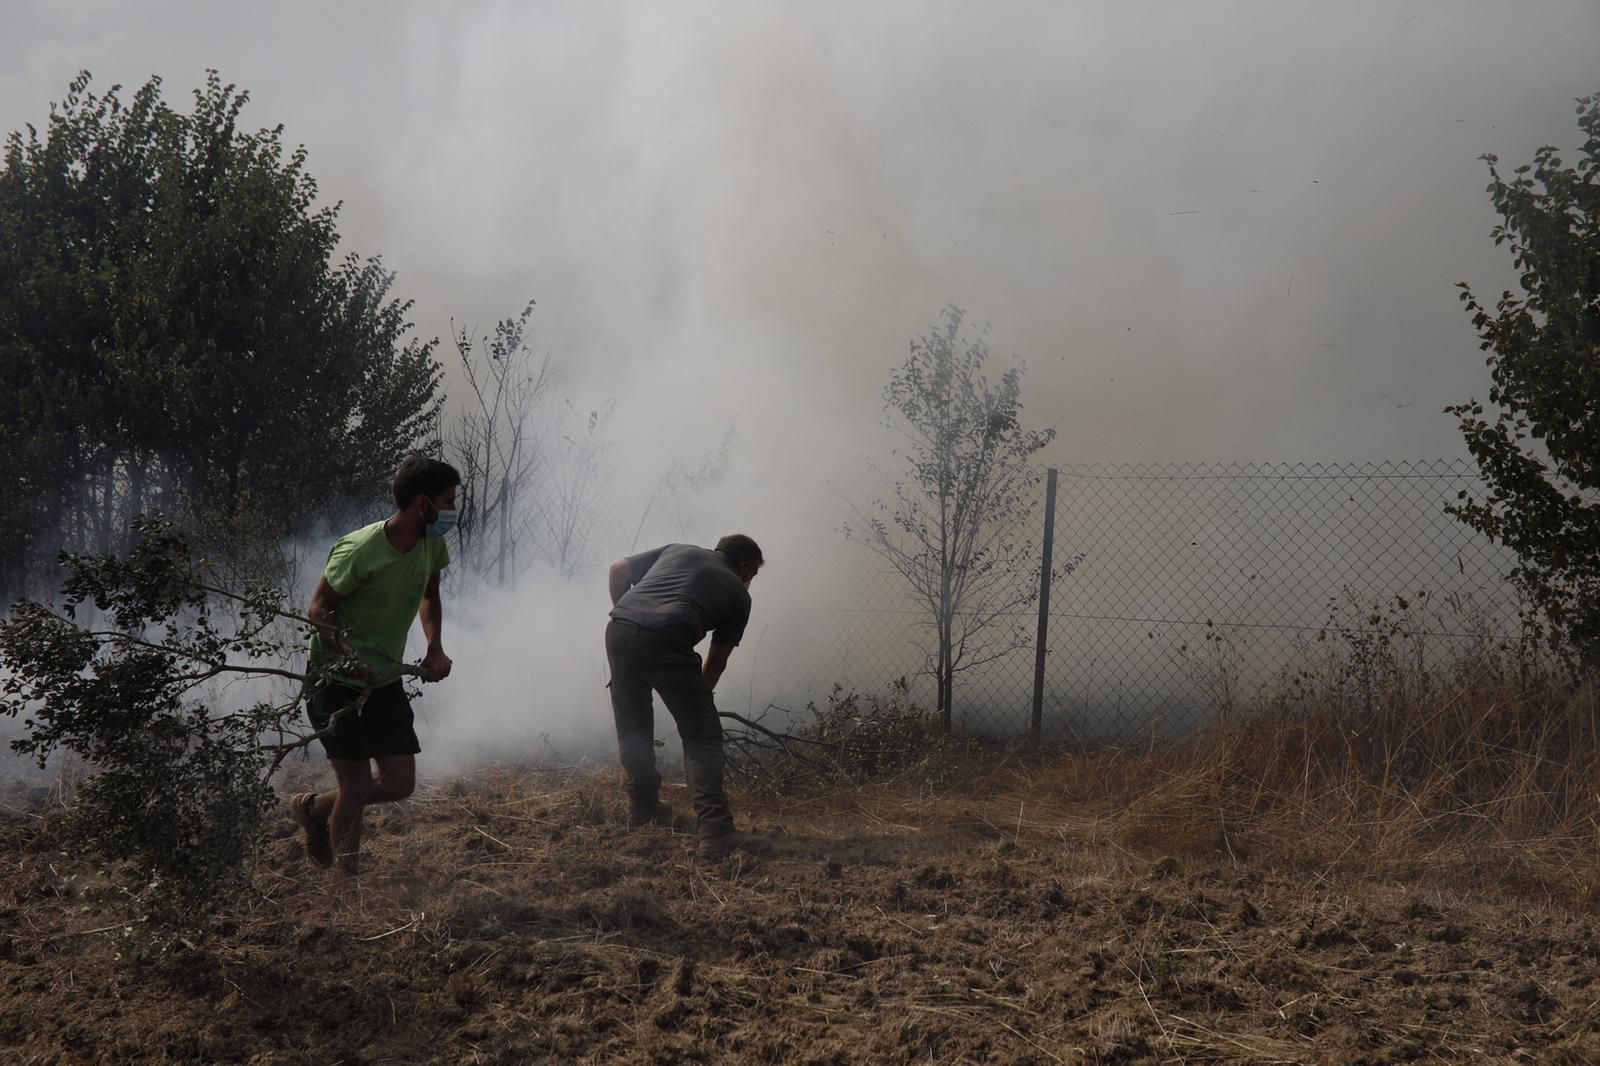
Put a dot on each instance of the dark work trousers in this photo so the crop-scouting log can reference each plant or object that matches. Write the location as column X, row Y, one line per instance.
column 641, row 660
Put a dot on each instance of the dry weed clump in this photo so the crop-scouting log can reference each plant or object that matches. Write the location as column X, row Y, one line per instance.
column 852, row 738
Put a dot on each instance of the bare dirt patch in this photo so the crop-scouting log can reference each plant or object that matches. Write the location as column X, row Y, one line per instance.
column 513, row 917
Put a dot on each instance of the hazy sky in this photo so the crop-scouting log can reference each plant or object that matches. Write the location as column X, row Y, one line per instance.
column 1213, row 230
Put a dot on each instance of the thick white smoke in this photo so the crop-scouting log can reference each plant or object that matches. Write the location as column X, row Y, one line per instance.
column 1215, row 231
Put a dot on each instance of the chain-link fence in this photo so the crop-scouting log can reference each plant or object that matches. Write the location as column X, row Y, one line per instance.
column 1203, row 584
column 1176, row 589
column 1180, row 588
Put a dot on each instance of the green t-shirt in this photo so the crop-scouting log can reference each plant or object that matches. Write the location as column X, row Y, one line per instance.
column 383, row 591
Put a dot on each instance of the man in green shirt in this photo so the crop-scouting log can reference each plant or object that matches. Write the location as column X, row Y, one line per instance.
column 376, row 581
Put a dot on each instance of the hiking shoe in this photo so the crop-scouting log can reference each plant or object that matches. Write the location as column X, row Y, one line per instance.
column 724, row 844
column 319, row 845
column 660, row 815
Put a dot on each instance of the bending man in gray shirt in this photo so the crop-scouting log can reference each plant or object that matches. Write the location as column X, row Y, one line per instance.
column 663, row 603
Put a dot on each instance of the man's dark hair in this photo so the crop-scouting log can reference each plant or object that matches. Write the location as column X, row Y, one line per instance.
column 738, row 548
column 420, row 475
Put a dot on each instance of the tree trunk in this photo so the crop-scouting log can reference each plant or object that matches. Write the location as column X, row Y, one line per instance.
column 232, row 500
column 946, row 689
column 136, row 485
column 505, row 524
column 946, row 608
column 108, row 503
column 946, row 664
column 164, row 488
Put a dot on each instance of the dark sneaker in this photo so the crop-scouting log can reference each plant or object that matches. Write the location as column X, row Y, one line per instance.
column 658, row 815
column 319, row 845
column 724, row 844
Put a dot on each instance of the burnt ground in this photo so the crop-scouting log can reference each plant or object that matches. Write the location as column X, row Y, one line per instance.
column 512, row 917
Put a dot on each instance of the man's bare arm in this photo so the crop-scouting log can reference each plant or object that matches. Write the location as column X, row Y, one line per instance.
column 716, row 662
column 435, row 664
column 620, row 578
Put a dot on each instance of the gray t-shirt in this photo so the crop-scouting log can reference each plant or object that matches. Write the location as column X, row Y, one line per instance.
column 684, row 591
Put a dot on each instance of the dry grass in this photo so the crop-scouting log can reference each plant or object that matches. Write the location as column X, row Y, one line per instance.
column 1487, row 781
column 1336, row 881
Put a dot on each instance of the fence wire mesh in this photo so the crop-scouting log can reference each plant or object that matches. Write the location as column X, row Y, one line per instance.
column 1203, row 584
column 1194, row 586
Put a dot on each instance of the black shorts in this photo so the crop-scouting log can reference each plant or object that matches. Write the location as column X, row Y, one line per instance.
column 383, row 727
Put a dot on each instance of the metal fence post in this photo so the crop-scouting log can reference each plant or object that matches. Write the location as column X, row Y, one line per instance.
column 1035, row 726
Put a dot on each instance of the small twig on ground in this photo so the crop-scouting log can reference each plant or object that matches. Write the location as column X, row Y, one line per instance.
column 479, row 830
column 399, row 928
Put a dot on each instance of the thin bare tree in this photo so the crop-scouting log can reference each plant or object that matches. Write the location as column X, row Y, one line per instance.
column 493, row 445
column 955, row 527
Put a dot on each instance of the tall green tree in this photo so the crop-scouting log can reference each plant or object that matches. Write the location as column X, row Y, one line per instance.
column 1539, row 451
column 177, row 333
column 956, row 527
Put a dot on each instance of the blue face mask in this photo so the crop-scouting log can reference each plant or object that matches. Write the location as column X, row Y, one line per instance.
column 442, row 524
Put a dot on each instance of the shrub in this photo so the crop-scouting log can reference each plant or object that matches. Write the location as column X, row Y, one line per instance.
column 168, row 686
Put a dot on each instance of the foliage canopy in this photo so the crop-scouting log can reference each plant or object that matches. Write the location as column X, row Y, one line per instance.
column 1540, row 451
column 176, row 333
